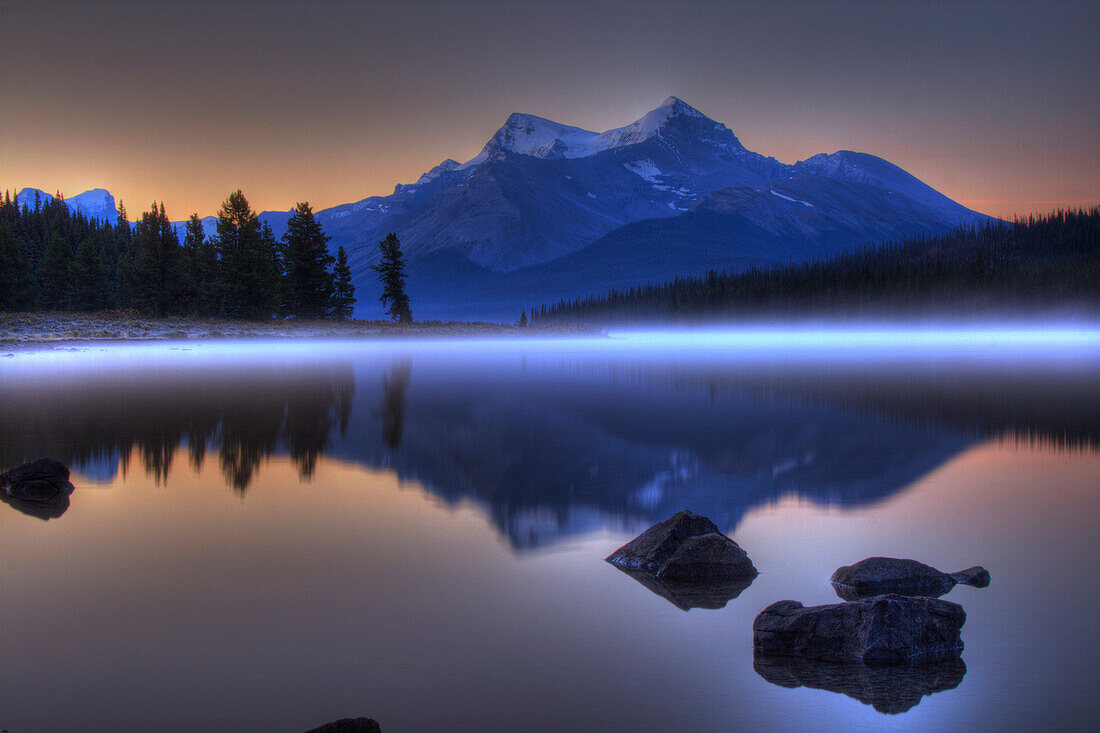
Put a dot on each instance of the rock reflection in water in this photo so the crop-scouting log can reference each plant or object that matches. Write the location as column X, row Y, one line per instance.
column 39, row 489
column 50, row 505
column 890, row 690
column 687, row 596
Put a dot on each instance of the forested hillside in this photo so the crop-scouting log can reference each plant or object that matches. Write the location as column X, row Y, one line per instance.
column 1052, row 261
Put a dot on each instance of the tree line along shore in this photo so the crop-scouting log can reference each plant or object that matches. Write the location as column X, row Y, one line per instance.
column 1033, row 266
column 55, row 259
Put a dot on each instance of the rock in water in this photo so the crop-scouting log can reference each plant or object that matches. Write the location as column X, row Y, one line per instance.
column 707, row 558
column 652, row 548
column 40, row 488
column 888, row 629
column 976, row 576
column 877, row 575
column 688, row 561
column 349, row 725
column 890, row 690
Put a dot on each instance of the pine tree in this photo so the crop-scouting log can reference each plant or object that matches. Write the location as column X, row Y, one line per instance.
column 307, row 282
column 248, row 264
column 391, row 273
column 53, row 275
column 343, row 292
column 13, row 271
column 153, row 276
column 123, row 237
column 522, row 322
column 88, row 276
column 201, row 261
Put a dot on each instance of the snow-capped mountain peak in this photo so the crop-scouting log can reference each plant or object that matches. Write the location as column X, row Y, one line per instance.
column 530, row 135
column 96, row 203
column 26, row 197
column 527, row 134
column 445, row 167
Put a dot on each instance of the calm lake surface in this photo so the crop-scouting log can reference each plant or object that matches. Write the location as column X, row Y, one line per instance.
column 270, row 536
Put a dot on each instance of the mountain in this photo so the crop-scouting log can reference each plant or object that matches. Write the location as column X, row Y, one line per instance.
column 548, row 210
column 94, row 204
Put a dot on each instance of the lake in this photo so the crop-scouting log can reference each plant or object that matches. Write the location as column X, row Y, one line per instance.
column 267, row 536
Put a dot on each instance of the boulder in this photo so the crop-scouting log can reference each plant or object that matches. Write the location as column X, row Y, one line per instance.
column 652, row 548
column 688, row 561
column 878, row 575
column 349, row 725
column 707, row 558
column 40, row 488
column 890, row 690
column 887, row 629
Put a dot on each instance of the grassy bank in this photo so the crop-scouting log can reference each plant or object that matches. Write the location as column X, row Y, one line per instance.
column 30, row 329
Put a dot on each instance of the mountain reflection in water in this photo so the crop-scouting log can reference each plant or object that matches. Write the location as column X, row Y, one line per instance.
column 551, row 445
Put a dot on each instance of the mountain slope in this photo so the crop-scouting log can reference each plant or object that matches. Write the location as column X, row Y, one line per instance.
column 539, row 190
column 793, row 219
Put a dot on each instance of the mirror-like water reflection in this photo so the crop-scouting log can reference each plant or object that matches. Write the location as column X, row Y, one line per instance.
column 417, row 533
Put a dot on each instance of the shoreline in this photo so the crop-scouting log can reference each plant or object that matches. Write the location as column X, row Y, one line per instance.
column 20, row 331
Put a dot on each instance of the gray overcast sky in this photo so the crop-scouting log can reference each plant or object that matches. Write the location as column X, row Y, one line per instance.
column 997, row 104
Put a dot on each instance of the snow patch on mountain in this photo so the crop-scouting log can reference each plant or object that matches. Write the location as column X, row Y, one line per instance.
column 788, row 198
column 645, row 169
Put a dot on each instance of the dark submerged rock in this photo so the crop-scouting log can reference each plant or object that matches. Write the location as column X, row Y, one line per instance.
column 890, row 690
column 40, row 488
column 349, row 725
column 652, row 548
column 687, row 596
column 878, row 575
column 887, row 629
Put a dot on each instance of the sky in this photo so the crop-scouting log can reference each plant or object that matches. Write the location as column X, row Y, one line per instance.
column 996, row 104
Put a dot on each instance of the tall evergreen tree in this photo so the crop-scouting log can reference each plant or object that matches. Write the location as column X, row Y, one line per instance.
column 202, row 261
column 90, row 289
column 307, row 283
column 14, row 278
column 343, row 292
column 53, row 275
column 153, row 275
column 391, row 273
column 247, row 261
